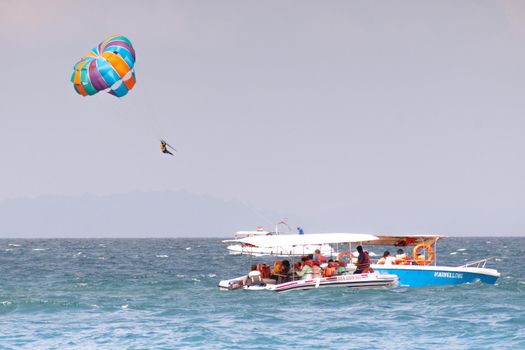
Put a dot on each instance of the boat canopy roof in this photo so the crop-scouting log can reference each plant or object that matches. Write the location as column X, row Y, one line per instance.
column 251, row 233
column 243, row 234
column 306, row 239
column 404, row 240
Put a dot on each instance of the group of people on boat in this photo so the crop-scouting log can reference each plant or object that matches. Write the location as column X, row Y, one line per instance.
column 310, row 266
column 317, row 265
column 401, row 258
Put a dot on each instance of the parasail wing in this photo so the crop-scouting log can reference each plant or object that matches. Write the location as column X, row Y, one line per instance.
column 109, row 66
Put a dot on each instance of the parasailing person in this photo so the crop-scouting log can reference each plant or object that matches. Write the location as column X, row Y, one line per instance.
column 164, row 147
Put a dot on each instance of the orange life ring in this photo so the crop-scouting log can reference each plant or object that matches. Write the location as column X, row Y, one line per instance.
column 340, row 256
column 430, row 251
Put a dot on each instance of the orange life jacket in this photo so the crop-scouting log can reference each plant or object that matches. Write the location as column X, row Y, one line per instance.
column 329, row 271
column 264, row 269
column 402, row 259
column 277, row 267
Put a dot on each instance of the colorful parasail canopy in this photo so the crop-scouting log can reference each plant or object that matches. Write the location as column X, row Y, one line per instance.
column 109, row 66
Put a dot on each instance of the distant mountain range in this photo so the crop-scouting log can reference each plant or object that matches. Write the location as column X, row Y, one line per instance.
column 137, row 214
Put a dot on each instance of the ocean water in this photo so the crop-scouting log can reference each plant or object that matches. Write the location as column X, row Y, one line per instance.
column 162, row 294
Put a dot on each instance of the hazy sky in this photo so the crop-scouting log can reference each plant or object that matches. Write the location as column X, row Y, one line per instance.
column 398, row 115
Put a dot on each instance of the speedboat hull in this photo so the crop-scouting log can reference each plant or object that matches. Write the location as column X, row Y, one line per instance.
column 430, row 276
column 365, row 280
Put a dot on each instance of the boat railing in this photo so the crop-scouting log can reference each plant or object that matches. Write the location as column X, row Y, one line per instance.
column 478, row 263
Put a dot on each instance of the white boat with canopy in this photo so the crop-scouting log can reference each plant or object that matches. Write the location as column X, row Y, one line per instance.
column 293, row 244
column 238, row 248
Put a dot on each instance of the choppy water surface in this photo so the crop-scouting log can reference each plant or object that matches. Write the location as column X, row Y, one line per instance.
column 161, row 294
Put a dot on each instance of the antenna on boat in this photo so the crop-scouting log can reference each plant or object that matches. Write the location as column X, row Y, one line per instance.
column 284, row 222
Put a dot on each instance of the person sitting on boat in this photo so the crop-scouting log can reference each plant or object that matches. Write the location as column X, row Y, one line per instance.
column 402, row 258
column 341, row 268
column 264, row 269
column 281, row 271
column 254, row 277
column 382, row 260
column 319, row 257
column 306, row 270
column 386, row 259
column 317, row 271
column 276, row 268
column 300, row 230
column 330, row 270
column 285, row 271
column 363, row 261
column 421, row 259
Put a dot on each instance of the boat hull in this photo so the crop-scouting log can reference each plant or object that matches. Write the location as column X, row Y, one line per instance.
column 349, row 281
column 429, row 276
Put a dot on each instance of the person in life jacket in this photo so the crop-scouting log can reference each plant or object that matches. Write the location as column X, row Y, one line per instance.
column 386, row 259
column 317, row 271
column 319, row 257
column 363, row 261
column 277, row 267
column 383, row 258
column 164, row 147
column 330, row 269
column 421, row 259
column 280, row 271
column 285, row 271
column 341, row 268
column 306, row 269
column 402, row 258
column 264, row 269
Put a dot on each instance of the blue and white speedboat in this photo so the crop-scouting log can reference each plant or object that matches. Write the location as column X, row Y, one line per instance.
column 422, row 270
